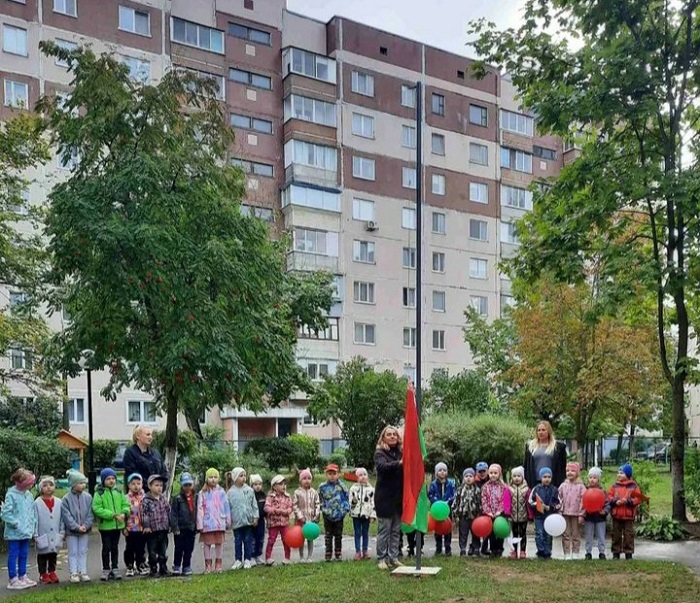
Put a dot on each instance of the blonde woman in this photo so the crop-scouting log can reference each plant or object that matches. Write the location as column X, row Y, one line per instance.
column 544, row 451
column 388, row 495
column 141, row 458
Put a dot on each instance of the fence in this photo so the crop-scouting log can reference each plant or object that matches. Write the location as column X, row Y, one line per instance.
column 615, row 450
column 327, row 447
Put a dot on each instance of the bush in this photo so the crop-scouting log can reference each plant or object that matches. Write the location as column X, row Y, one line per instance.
column 645, row 473
column 223, row 458
column 661, row 528
column 460, row 440
column 305, row 450
column 105, row 453
column 692, row 481
column 339, row 459
column 187, row 444
column 277, row 452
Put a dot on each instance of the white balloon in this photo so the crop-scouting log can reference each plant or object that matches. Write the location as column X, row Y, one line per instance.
column 555, row 525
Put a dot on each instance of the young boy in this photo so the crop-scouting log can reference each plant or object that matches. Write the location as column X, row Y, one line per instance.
column 442, row 488
column 335, row 505
column 76, row 512
column 481, row 478
column 135, row 549
column 111, row 507
column 259, row 530
column 466, row 507
column 594, row 523
column 155, row 518
column 624, row 497
column 544, row 500
column 183, row 522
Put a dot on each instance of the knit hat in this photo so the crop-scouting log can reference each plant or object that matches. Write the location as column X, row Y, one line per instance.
column 305, row 473
column 468, row 471
column 75, row 478
column 518, row 471
column 482, row 466
column 107, row 472
column 46, row 479
column 575, row 467
column 278, row 479
column 360, row 471
column 211, row 472
column 440, row 466
column 134, row 476
column 186, row 478
column 236, row 473
column 627, row 470
column 256, row 478
column 545, row 471
column 595, row 472
column 496, row 466
column 155, row 478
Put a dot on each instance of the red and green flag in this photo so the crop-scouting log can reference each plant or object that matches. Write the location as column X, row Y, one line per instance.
column 415, row 496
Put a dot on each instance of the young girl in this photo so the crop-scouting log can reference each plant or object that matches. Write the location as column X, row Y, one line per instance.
column 50, row 530
column 278, row 508
column 19, row 515
column 442, row 488
column 362, row 511
column 466, row 507
column 259, row 530
column 213, row 519
column 544, row 500
column 624, row 497
column 307, row 507
column 135, row 550
column 244, row 517
column 594, row 523
column 76, row 511
column 495, row 502
column 519, row 510
column 571, row 494
column 183, row 522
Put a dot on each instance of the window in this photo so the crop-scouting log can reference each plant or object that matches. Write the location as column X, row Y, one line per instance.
column 363, row 125
column 319, row 242
column 295, row 60
column 438, row 144
column 248, row 122
column 478, row 115
column 408, row 177
column 409, row 297
column 438, row 184
column 438, row 222
column 516, row 160
column 408, row 96
column 363, row 83
column 508, row 233
column 68, row 159
column 479, row 230
column 261, row 213
column 16, row 94
column 19, row 205
column 21, row 359
column 362, row 209
column 478, row 153
column 478, row 192
column 139, row 71
column 363, row 293
column 316, row 198
column 310, row 421
column 219, row 89
column 199, row 36
column 516, row 197
column 363, row 167
column 517, row 122
column 17, row 298
column 477, row 268
column 134, row 21
column 65, row 45
column 438, row 301
column 439, row 340
column 363, row 251
column 317, row 370
column 309, row 109
column 408, row 137
column 142, row 411
column 67, row 7
column 330, row 333
column 249, row 33
column 409, row 257
column 312, row 155
column 480, row 304
column 254, row 168
column 408, row 218
column 249, row 78
column 14, row 40
column 543, row 153
column 364, row 334
column 409, row 337
column 76, row 410
column 438, row 261
column 437, row 104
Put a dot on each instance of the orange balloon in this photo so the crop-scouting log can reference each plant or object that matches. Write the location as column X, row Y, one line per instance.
column 444, row 527
column 594, row 500
column 482, row 526
column 294, row 538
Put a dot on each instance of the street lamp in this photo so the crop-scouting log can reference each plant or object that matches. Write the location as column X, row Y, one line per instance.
column 84, row 363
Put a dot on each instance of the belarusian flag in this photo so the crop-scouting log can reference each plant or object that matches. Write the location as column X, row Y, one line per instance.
column 415, row 495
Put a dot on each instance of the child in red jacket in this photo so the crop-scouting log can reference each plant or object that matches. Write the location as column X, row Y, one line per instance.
column 624, row 497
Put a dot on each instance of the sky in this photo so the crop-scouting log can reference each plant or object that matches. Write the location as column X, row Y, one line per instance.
column 440, row 23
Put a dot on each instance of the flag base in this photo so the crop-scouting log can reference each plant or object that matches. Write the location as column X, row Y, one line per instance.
column 407, row 570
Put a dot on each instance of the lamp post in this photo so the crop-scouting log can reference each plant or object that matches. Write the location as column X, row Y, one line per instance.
column 84, row 363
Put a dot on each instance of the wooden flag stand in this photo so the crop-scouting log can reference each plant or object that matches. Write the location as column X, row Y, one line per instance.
column 418, row 571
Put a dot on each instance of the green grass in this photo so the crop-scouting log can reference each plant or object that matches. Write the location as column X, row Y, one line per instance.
column 360, row 582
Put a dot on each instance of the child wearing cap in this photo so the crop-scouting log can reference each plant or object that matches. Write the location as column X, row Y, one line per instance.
column 213, row 519
column 571, row 493
column 466, row 507
column 183, row 523
column 594, row 522
column 481, row 478
column 307, row 507
column 244, row 517
column 50, row 530
column 544, row 500
column 110, row 507
column 520, row 511
column 624, row 497
column 442, row 488
column 362, row 511
column 335, row 505
column 135, row 549
column 256, row 483
column 76, row 511
column 19, row 515
column 155, row 519
column 278, row 508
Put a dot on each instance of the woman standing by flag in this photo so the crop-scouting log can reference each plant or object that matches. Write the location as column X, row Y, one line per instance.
column 388, row 493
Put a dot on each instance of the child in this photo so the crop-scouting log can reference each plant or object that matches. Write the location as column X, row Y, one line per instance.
column 571, row 493
column 624, row 497
column 19, row 515
column 213, row 519
column 442, row 488
column 519, row 510
column 155, row 519
column 244, row 517
column 481, row 478
column 110, row 507
column 335, row 505
column 259, row 530
column 495, row 502
column 183, row 523
column 50, row 530
column 594, row 523
column 307, row 507
column 362, row 511
column 466, row 507
column 76, row 511
column 544, row 500
column 135, row 550
column 278, row 508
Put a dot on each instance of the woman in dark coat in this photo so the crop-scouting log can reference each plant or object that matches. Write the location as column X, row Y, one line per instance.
column 388, row 495
column 545, row 451
column 141, row 458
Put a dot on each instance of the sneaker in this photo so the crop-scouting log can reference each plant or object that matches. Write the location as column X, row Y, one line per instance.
column 153, row 573
column 187, row 571
column 164, row 573
column 616, row 555
column 628, row 556
column 130, row 572
column 357, row 556
column 259, row 561
column 523, row 555
column 27, row 581
column 602, row 556
column 269, row 561
column 84, row 578
column 177, row 571
column 247, row 564
column 470, row 553
column 105, row 575
column 588, row 556
column 396, row 563
column 237, row 565
column 116, row 574
column 144, row 569
column 45, row 578
column 74, row 578
column 513, row 555
column 286, row 561
column 382, row 565
column 463, row 553
column 366, row 555
column 15, row 584
column 54, row 578
column 218, row 566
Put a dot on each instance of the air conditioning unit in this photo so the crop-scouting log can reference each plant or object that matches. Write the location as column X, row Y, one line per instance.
column 371, row 225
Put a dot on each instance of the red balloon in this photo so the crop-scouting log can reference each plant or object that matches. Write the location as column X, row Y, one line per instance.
column 593, row 500
column 444, row 527
column 294, row 538
column 431, row 523
column 482, row 526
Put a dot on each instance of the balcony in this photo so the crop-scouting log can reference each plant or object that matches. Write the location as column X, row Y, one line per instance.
column 300, row 260
column 297, row 172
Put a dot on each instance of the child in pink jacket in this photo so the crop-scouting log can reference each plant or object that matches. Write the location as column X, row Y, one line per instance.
column 571, row 494
column 495, row 502
column 278, row 509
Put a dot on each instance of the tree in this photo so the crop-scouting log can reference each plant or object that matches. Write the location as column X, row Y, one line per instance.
column 177, row 292
column 628, row 92
column 39, row 416
column 363, row 402
column 467, row 391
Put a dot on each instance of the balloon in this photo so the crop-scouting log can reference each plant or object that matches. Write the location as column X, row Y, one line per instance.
column 294, row 538
column 501, row 527
column 593, row 500
column 407, row 529
column 482, row 526
column 555, row 525
column 440, row 510
column 431, row 523
column 444, row 527
column 311, row 531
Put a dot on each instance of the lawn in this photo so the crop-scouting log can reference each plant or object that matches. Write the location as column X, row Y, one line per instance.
column 474, row 581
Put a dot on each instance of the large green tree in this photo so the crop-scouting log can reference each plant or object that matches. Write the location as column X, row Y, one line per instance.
column 175, row 291
column 623, row 76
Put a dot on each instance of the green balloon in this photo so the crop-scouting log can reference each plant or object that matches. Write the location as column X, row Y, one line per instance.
column 311, row 531
column 440, row 510
column 406, row 529
column 501, row 527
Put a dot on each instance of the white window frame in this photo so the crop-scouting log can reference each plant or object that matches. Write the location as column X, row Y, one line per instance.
column 65, row 45
column 365, row 329
column 199, row 29
column 305, row 196
column 438, row 262
column 479, row 192
column 10, row 94
column 318, row 156
column 439, row 222
column 250, row 122
column 363, row 252
column 310, row 109
column 508, row 233
column 475, row 268
column 362, row 209
column 483, row 120
column 408, row 297
column 220, row 93
column 251, row 34
column 408, row 137
column 254, row 168
column 316, row 242
column 439, row 301
column 440, row 138
column 408, row 177
column 136, row 67
column 363, row 125
column 19, row 37
column 410, row 253
column 409, row 337
column 364, row 292
column 438, row 184
column 408, row 96
column 363, row 168
column 439, row 344
column 483, row 229
column 251, row 79
column 362, row 83
column 142, row 412
column 64, row 7
column 408, row 218
column 517, row 123
column 518, row 198
column 73, row 405
column 295, row 60
column 478, row 153
column 513, row 159
column 480, row 303
column 21, row 359
column 435, row 103
column 126, row 13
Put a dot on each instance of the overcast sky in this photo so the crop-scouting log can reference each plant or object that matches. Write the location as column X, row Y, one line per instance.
column 440, row 23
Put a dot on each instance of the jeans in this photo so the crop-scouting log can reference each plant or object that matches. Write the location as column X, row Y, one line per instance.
column 439, row 540
column 334, row 532
column 110, row 548
column 184, row 545
column 272, row 538
column 597, row 529
column 46, row 562
column 360, row 525
column 77, row 553
column 543, row 541
column 465, row 527
column 135, row 550
column 519, row 529
column 243, row 543
column 388, row 533
column 158, row 550
column 258, row 538
column 17, row 554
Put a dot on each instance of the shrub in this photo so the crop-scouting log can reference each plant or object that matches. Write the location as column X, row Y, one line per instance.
column 223, row 458
column 277, row 452
column 692, row 481
column 105, row 453
column 187, row 444
column 305, row 450
column 645, row 473
column 339, row 459
column 661, row 528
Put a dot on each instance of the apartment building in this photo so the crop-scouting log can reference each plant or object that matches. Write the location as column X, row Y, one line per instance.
column 325, row 120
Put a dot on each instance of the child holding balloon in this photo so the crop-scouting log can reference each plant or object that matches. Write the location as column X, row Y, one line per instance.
column 544, row 500
column 596, row 509
column 362, row 511
column 442, row 489
column 278, row 508
column 495, row 502
column 571, row 493
column 466, row 507
column 307, row 507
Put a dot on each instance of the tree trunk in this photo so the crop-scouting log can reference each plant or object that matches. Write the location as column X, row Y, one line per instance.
column 631, row 443
column 171, row 436
column 620, row 439
column 192, row 418
column 678, row 451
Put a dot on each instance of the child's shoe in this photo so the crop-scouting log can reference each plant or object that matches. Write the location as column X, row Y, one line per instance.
column 523, row 555
column 187, row 571
column 602, row 556
column 207, row 567
column 130, row 571
column 237, row 565
column 357, row 556
column 45, row 578
column 28, row 582
column 177, row 571
column 259, row 561
column 15, row 584
column 589, row 556
column 116, row 574
column 247, row 564
column 54, row 578
column 74, row 578
column 269, row 561
column 105, row 575
column 285, row 561
column 84, row 578
column 144, row 569
column 218, row 566
column 628, row 556
column 616, row 555
column 366, row 555
column 513, row 555
column 382, row 565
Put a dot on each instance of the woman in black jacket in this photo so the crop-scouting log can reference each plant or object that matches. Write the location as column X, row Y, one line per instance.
column 545, row 451
column 141, row 458
column 388, row 495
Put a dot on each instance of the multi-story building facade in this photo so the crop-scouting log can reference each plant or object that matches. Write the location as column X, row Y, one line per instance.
column 326, row 124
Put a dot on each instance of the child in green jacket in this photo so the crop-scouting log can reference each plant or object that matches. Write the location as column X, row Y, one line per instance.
column 111, row 507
